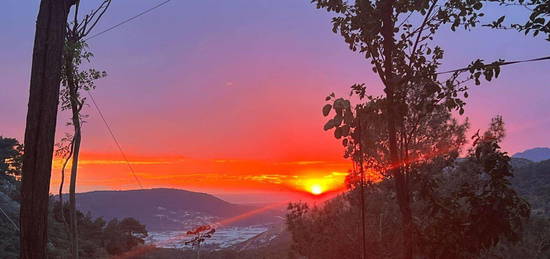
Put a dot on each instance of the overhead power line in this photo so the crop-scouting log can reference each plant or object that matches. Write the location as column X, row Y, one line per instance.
column 115, row 140
column 97, row 106
column 9, row 219
column 499, row 64
column 128, row 20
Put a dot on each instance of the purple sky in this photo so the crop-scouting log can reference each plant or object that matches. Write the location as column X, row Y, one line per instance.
column 246, row 79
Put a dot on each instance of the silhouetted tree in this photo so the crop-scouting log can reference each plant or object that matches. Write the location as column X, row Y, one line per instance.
column 97, row 238
column 121, row 236
column 199, row 235
column 471, row 205
column 536, row 22
column 74, row 80
column 463, row 208
column 395, row 37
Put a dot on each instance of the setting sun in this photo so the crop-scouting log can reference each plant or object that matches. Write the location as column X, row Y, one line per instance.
column 320, row 183
column 316, row 189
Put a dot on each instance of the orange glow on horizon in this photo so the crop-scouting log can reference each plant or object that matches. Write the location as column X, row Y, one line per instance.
column 319, row 184
column 110, row 172
column 314, row 177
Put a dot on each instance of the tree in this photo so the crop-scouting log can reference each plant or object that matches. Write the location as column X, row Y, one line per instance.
column 10, row 194
column 121, row 236
column 40, row 125
column 535, row 24
column 463, row 208
column 472, row 206
column 97, row 238
column 11, row 156
column 431, row 137
column 199, row 235
column 132, row 231
column 74, row 80
column 395, row 37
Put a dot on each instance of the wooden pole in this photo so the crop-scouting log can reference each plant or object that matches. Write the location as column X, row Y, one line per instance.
column 40, row 127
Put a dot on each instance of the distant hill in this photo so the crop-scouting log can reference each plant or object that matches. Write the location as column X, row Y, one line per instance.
column 169, row 209
column 534, row 154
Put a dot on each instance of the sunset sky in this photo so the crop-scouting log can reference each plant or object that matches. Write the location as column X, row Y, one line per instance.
column 225, row 97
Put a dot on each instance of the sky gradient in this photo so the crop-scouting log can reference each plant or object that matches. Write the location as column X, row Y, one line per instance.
column 225, row 96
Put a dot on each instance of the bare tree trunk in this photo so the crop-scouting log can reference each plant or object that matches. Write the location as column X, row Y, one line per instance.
column 75, row 36
column 61, row 207
column 75, row 109
column 40, row 126
column 72, row 191
column 393, row 119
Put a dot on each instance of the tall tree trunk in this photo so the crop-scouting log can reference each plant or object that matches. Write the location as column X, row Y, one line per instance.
column 61, row 202
column 393, row 119
column 72, row 191
column 40, row 126
column 75, row 109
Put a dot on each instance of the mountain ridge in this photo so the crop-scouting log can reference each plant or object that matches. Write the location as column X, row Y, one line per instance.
column 167, row 208
column 536, row 154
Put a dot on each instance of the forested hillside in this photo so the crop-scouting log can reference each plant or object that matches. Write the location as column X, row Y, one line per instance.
column 334, row 222
column 532, row 181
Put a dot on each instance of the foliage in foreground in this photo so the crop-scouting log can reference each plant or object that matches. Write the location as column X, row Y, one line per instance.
column 466, row 209
column 11, row 155
column 97, row 237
